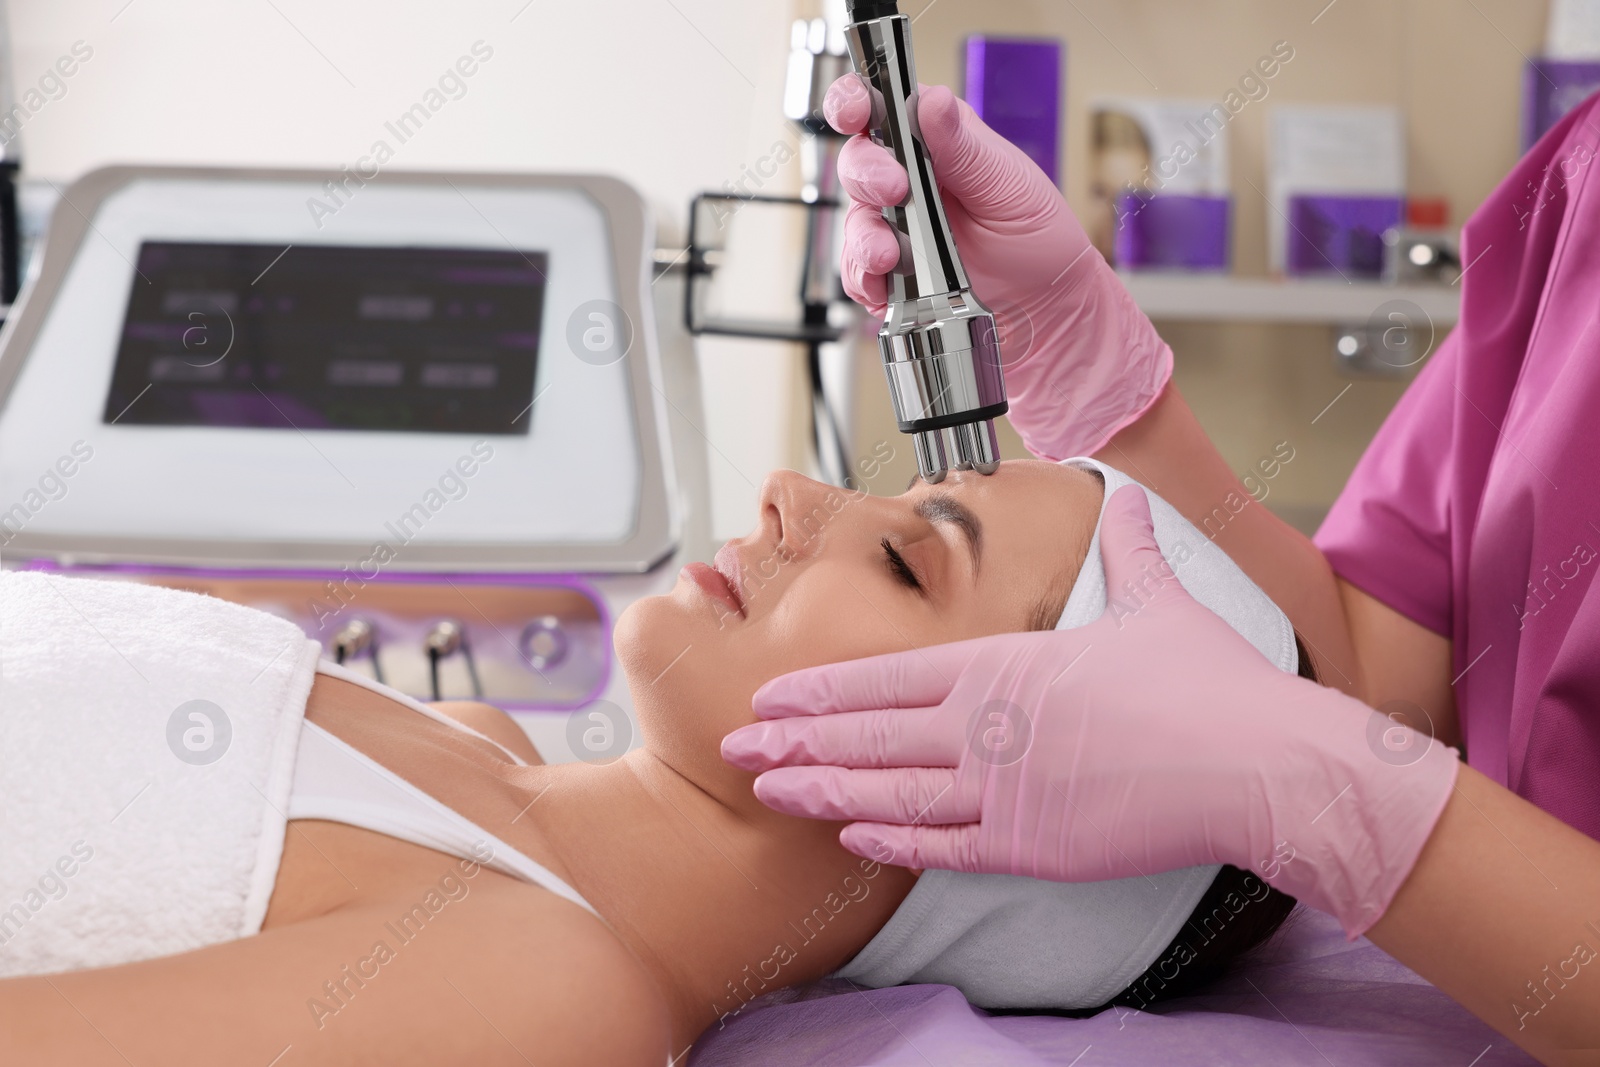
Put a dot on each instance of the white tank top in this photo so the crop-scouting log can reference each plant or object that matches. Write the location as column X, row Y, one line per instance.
column 338, row 783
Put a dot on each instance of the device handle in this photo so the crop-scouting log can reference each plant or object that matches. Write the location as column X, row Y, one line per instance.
column 880, row 51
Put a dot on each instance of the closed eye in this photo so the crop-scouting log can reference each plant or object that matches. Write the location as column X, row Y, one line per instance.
column 900, row 568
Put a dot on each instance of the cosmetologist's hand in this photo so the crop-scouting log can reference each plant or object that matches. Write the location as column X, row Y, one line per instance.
column 1081, row 360
column 1154, row 738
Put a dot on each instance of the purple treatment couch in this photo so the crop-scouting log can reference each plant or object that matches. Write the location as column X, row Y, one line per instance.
column 1306, row 997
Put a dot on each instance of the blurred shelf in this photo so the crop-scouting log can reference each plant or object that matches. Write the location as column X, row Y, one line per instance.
column 1199, row 298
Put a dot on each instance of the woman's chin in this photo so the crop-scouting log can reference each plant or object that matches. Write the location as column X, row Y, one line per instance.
column 632, row 632
column 651, row 632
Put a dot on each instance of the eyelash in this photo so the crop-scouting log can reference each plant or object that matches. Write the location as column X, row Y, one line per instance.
column 898, row 565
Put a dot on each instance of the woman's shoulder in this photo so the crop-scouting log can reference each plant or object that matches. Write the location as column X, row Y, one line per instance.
column 515, row 962
column 492, row 723
column 577, row 994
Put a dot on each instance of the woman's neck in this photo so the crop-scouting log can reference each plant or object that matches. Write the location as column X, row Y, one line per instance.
column 721, row 906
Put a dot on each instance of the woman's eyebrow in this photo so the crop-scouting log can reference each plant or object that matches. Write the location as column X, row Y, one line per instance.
column 942, row 507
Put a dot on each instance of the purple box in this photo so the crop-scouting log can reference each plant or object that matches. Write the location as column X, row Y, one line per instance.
column 1550, row 89
column 1015, row 86
column 1340, row 234
column 1172, row 231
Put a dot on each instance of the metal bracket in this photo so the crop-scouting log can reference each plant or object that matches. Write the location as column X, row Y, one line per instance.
column 703, row 257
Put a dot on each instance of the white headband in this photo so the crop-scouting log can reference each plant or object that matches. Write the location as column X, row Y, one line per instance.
column 1007, row 941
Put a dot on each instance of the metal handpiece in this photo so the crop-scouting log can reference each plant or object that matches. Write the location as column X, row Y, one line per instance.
column 941, row 348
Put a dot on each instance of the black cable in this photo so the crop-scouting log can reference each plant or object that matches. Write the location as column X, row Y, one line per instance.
column 822, row 411
column 11, row 264
column 472, row 671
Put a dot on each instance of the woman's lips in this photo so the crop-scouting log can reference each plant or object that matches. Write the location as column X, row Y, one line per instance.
column 726, row 563
column 712, row 582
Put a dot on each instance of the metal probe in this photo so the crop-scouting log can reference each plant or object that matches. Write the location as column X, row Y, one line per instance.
column 941, row 348
column 446, row 638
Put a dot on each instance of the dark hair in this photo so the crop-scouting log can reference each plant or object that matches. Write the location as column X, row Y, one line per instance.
column 1238, row 913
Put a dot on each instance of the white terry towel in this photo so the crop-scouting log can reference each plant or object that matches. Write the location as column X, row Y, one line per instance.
column 134, row 822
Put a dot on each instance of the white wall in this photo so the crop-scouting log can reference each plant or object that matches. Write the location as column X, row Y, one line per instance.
column 676, row 96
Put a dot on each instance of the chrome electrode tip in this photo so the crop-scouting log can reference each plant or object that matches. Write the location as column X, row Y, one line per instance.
column 971, row 446
column 940, row 345
column 931, row 464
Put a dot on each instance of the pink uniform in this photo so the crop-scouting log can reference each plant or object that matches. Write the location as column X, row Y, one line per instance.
column 1476, row 511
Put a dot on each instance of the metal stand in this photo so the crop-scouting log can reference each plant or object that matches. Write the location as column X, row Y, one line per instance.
column 828, row 320
column 819, row 327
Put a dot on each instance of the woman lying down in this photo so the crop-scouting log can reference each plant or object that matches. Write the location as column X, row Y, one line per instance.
column 359, row 878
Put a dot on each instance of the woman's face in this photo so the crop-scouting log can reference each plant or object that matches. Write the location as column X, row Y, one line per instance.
column 828, row 575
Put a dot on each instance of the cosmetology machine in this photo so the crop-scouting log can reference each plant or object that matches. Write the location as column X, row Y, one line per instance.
column 425, row 417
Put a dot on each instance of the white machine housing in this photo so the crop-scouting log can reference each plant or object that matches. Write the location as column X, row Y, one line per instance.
column 592, row 495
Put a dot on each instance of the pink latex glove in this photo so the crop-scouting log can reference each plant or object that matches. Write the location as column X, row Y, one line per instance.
column 1154, row 738
column 1081, row 360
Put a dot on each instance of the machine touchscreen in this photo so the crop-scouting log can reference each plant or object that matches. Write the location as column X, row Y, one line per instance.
column 404, row 339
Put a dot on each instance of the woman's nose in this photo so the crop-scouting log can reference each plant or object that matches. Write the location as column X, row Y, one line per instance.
column 802, row 508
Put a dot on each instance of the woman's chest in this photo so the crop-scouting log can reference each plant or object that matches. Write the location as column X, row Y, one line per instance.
column 384, row 796
column 328, row 865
